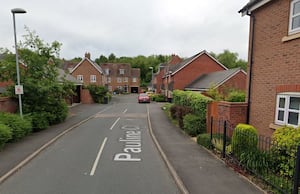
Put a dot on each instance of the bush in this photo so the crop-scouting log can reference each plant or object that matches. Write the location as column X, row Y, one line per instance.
column 158, row 98
column 193, row 125
column 20, row 127
column 244, row 139
column 236, row 96
column 204, row 140
column 39, row 121
column 5, row 134
column 286, row 141
column 98, row 93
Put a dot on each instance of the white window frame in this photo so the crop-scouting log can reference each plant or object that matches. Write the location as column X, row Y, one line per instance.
column 292, row 16
column 125, row 79
column 286, row 109
column 119, row 80
column 134, row 79
column 107, row 71
column 80, row 77
column 108, row 79
column 121, row 71
column 93, row 78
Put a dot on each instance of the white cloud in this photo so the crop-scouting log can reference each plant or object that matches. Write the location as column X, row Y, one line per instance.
column 131, row 27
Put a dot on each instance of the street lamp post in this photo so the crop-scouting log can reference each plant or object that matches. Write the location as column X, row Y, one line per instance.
column 18, row 11
column 151, row 78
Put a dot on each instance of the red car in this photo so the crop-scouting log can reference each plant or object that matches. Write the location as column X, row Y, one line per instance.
column 143, row 97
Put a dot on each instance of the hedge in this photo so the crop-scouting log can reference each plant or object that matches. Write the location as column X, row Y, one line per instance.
column 20, row 127
column 193, row 125
column 5, row 134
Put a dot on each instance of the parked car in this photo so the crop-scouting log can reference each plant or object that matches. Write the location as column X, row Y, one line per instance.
column 143, row 97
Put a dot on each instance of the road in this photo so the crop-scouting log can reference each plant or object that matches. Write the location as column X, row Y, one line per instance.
column 110, row 153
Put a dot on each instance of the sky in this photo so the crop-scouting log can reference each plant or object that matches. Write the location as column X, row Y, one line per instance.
column 130, row 27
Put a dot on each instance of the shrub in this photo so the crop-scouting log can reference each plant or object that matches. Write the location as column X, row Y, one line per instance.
column 20, row 127
column 57, row 113
column 39, row 121
column 256, row 160
column 286, row 140
column 236, row 96
column 244, row 139
column 204, row 140
column 158, row 98
column 98, row 93
column 5, row 134
column 192, row 125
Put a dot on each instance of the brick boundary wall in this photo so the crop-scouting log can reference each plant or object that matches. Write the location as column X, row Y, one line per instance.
column 234, row 112
column 85, row 97
column 8, row 105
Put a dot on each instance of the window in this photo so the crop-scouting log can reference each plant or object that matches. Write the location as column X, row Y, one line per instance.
column 288, row 109
column 80, row 77
column 119, row 80
column 121, row 71
column 125, row 79
column 107, row 71
column 294, row 17
column 134, row 79
column 108, row 79
column 92, row 78
column 110, row 88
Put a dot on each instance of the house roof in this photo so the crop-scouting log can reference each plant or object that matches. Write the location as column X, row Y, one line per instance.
column 97, row 67
column 252, row 5
column 177, row 67
column 216, row 79
column 62, row 74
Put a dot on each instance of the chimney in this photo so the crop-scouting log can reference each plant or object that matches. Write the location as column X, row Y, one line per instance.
column 87, row 55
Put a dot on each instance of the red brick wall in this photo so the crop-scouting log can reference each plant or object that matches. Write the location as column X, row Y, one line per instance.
column 237, row 82
column 86, row 69
column 275, row 62
column 203, row 64
column 233, row 112
column 8, row 105
column 86, row 97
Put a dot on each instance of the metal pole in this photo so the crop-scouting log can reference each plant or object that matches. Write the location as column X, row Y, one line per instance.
column 17, row 66
column 224, row 140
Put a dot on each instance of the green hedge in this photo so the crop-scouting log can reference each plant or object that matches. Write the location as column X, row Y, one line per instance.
column 193, row 125
column 5, row 134
column 204, row 140
column 236, row 96
column 286, row 141
column 20, row 127
column 244, row 139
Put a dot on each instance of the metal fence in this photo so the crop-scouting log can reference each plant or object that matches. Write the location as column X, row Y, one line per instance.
column 258, row 155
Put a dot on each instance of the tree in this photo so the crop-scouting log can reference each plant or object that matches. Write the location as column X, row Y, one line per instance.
column 101, row 59
column 44, row 93
column 230, row 59
column 111, row 58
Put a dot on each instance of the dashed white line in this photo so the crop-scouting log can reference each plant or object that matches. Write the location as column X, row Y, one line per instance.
column 98, row 157
column 125, row 111
column 114, row 124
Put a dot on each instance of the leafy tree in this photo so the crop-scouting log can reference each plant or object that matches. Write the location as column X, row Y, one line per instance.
column 230, row 59
column 112, row 57
column 43, row 92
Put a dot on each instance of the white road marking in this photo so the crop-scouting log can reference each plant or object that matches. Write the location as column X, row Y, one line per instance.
column 114, row 123
column 98, row 157
column 125, row 111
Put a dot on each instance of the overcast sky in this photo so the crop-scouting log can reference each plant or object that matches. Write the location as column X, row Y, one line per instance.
column 130, row 27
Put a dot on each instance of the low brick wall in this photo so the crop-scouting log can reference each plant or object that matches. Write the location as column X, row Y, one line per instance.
column 234, row 112
column 8, row 105
column 85, row 97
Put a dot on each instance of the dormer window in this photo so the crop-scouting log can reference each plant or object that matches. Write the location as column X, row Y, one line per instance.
column 106, row 71
column 294, row 17
column 121, row 71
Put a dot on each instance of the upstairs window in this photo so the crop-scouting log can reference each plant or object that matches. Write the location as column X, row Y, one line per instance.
column 92, row 78
column 134, row 79
column 288, row 109
column 294, row 17
column 106, row 71
column 119, row 80
column 80, row 77
column 121, row 71
column 125, row 79
column 108, row 79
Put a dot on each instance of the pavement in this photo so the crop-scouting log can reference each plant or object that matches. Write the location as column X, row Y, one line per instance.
column 194, row 169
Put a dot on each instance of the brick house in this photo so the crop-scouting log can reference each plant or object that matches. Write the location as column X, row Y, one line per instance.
column 274, row 64
column 158, row 77
column 121, row 77
column 89, row 72
column 222, row 81
column 179, row 75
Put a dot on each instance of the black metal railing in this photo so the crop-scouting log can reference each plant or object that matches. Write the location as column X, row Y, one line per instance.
column 258, row 155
